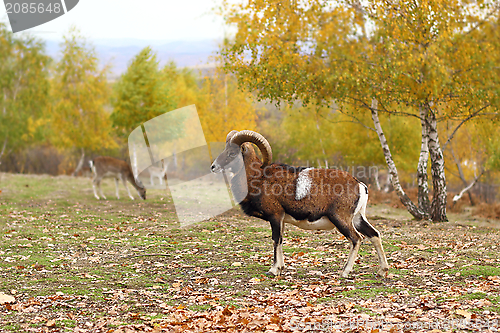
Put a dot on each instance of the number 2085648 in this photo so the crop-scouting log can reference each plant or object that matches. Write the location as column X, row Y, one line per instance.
column 33, row 7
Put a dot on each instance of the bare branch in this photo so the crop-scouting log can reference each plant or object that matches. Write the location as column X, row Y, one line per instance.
column 459, row 196
column 463, row 122
column 385, row 110
column 354, row 121
column 460, row 173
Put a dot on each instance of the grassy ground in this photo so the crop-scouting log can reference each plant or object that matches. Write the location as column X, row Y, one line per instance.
column 75, row 264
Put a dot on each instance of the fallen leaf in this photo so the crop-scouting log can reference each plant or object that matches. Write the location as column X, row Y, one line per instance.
column 160, row 280
column 464, row 313
column 6, row 299
column 50, row 323
column 226, row 311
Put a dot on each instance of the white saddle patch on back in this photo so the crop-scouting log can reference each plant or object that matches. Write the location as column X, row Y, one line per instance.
column 304, row 183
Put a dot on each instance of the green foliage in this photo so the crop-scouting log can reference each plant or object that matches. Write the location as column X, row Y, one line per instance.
column 79, row 95
column 142, row 93
column 24, row 90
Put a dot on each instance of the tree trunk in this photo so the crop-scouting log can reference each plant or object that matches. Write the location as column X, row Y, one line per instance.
column 80, row 164
column 174, row 157
column 388, row 183
column 393, row 172
column 423, row 186
column 438, row 206
column 3, row 148
column 133, row 161
column 377, row 182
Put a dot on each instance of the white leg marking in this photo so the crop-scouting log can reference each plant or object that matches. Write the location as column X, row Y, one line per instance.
column 304, row 183
column 359, row 214
column 280, row 259
column 384, row 266
column 279, row 264
column 350, row 261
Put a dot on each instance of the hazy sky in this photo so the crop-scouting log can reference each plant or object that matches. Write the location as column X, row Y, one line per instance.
column 146, row 19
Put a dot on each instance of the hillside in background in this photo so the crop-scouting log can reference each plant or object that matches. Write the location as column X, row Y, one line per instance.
column 118, row 52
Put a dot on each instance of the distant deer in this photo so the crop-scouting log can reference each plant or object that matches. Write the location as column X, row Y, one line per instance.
column 155, row 172
column 110, row 167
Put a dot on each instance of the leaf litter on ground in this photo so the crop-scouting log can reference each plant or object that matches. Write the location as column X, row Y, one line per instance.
column 119, row 266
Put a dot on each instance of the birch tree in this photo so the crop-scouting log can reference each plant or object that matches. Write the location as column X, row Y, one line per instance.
column 79, row 94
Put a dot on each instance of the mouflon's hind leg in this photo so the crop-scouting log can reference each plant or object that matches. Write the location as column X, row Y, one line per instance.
column 365, row 228
column 347, row 229
column 362, row 225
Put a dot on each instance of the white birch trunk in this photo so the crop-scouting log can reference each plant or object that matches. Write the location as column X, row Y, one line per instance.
column 377, row 182
column 423, row 185
column 3, row 148
column 393, row 172
column 438, row 205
